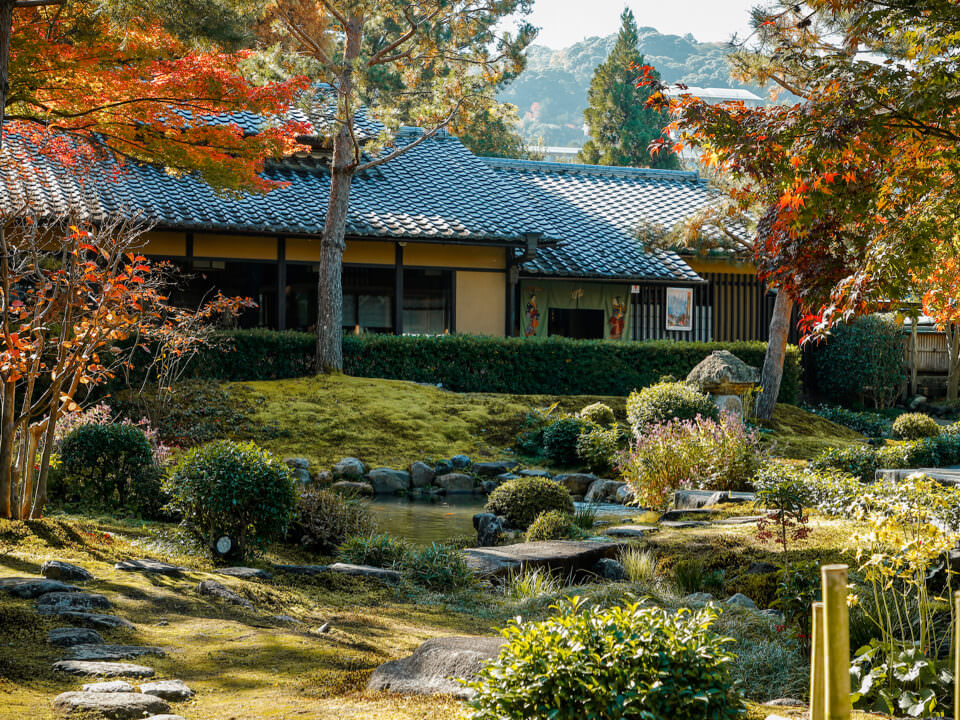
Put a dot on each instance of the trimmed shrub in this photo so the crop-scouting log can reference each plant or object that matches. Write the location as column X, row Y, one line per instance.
column 599, row 448
column 666, row 402
column 915, row 426
column 598, row 413
column 864, row 461
column 871, row 424
column 862, row 361
column 440, row 567
column 377, row 550
column 621, row 663
column 553, row 525
column 233, row 489
column 521, row 500
column 560, row 439
column 110, row 466
column 325, row 520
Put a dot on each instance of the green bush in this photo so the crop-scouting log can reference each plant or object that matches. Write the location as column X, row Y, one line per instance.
column 381, row 551
column 665, row 402
column 864, row 461
column 440, row 567
column 325, row 520
column 553, row 525
column 111, row 466
column 871, row 424
column 521, row 500
column 862, row 361
column 598, row 413
column 560, row 439
column 599, row 447
column 622, row 663
column 233, row 489
column 915, row 426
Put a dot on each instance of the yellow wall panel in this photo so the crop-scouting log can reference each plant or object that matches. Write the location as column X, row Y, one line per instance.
column 481, row 302
column 241, row 247
column 361, row 251
column 713, row 265
column 439, row 255
column 167, row 244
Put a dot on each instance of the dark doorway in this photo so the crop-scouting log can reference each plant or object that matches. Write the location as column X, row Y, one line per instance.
column 576, row 323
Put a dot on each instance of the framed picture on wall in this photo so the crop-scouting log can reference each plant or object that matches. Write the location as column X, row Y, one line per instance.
column 679, row 309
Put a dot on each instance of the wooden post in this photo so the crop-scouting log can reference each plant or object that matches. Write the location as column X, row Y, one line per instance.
column 817, row 657
column 837, row 646
column 913, row 357
column 956, row 656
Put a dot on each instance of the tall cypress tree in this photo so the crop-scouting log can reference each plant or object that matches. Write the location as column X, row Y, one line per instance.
column 620, row 125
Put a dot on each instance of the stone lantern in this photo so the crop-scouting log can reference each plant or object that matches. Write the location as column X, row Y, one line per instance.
column 725, row 378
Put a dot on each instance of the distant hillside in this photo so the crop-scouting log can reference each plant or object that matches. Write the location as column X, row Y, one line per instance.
column 552, row 92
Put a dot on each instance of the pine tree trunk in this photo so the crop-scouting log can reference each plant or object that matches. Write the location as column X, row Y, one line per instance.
column 8, row 396
column 772, row 373
column 342, row 167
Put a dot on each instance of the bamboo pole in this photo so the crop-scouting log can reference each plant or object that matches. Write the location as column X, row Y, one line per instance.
column 837, row 646
column 817, row 658
column 956, row 656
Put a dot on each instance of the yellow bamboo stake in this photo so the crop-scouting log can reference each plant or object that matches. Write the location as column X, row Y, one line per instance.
column 837, row 646
column 956, row 656
column 817, row 657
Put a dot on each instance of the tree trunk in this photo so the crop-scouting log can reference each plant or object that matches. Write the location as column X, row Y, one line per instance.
column 7, row 404
column 332, row 244
column 772, row 372
column 953, row 361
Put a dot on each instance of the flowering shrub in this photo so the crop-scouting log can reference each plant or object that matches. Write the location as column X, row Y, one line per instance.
column 103, row 414
column 701, row 453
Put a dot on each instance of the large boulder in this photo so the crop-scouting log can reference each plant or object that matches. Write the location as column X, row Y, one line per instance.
column 60, row 570
column 492, row 469
column 387, row 481
column 86, row 668
column 564, row 556
column 577, row 483
column 367, row 571
column 603, row 491
column 421, row 474
column 55, row 603
column 151, row 567
column 175, row 690
column 352, row 487
column 112, row 653
column 626, row 495
column 722, row 372
column 455, row 483
column 489, row 529
column 97, row 620
column 212, row 588
column 301, row 469
column 349, row 469
column 115, row 706
column 610, row 569
column 436, row 665
column 245, row 573
column 537, row 472
column 460, row 462
column 30, row 588
column 70, row 636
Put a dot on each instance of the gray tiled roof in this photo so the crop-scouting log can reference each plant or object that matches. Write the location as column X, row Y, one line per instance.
column 438, row 190
column 597, row 211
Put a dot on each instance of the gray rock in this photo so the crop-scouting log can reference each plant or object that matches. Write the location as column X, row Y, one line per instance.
column 687, row 513
column 115, row 706
column 683, row 524
column 97, row 620
column 761, row 568
column 610, row 569
column 741, row 600
column 69, row 636
column 785, row 702
column 112, row 686
column 625, row 495
column 421, row 475
column 102, row 669
column 55, row 603
column 112, row 653
column 505, row 477
column 723, row 372
column 492, row 469
column 436, row 665
column 175, row 690
column 302, row 569
column 693, row 499
column 536, row 472
column 60, row 570
column 352, row 487
column 775, row 616
column 297, row 462
column 576, row 483
column 302, row 476
column 488, row 486
column 246, row 573
column 917, row 401
column 460, row 462
column 151, row 566
column 349, row 469
column 630, row 531
column 212, row 588
column 739, row 520
column 489, row 529
column 165, row 716
column 387, row 481
column 443, row 467
column 289, row 620
column 322, row 477
column 603, row 491
column 382, row 574
column 565, row 556
column 699, row 598
column 455, row 483
column 30, row 588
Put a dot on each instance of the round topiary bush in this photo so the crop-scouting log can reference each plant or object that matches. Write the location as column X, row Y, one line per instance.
column 915, row 426
column 325, row 519
column 521, row 500
column 553, row 525
column 620, row 663
column 111, row 466
column 232, row 489
column 663, row 402
column 560, row 439
column 598, row 413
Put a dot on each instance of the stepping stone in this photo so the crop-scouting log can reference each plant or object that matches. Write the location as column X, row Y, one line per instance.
column 740, row 520
column 686, row 513
column 112, row 686
column 221, row 592
column 112, row 652
column 102, row 669
column 436, row 665
column 165, row 717
column 69, row 636
column 97, row 620
column 630, row 531
column 246, row 573
column 55, row 603
column 382, row 574
column 563, row 555
column 692, row 499
column 175, row 690
column 683, row 524
column 116, row 706
column 31, row 588
column 148, row 565
column 60, row 570
column 302, row 569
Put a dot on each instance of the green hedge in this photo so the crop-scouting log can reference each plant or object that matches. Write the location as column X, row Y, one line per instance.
column 256, row 355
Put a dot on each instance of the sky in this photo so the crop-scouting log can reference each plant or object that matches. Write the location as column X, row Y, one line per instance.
column 565, row 22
